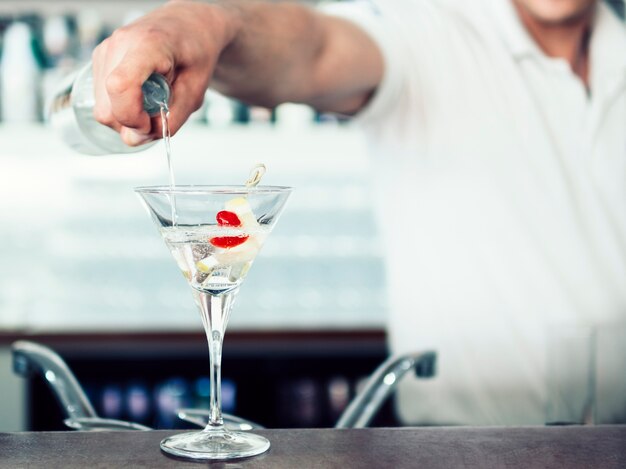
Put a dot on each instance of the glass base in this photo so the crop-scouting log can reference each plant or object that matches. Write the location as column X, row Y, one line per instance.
column 215, row 444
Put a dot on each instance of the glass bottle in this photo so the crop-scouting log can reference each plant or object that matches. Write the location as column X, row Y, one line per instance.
column 71, row 114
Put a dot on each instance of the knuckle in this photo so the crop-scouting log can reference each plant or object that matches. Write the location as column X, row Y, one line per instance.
column 138, row 34
column 120, row 34
column 154, row 33
column 128, row 115
column 116, row 83
column 103, row 116
column 165, row 64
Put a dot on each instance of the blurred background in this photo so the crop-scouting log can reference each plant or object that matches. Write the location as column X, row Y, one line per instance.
column 82, row 268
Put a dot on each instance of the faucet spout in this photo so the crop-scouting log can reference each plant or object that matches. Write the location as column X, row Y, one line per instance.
column 382, row 383
column 30, row 358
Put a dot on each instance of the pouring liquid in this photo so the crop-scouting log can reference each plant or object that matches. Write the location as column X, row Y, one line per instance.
column 165, row 126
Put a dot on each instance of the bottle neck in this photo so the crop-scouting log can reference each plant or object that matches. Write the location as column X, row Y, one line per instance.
column 156, row 94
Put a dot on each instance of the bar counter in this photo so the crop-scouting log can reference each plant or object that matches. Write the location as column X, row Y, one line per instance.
column 487, row 447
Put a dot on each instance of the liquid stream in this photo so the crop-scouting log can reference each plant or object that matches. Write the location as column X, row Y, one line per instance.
column 165, row 128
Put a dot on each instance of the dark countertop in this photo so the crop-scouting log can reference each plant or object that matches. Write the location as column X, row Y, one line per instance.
column 525, row 447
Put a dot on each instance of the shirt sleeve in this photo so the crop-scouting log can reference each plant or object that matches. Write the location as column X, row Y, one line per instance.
column 379, row 26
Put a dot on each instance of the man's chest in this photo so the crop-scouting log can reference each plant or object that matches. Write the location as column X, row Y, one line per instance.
column 533, row 125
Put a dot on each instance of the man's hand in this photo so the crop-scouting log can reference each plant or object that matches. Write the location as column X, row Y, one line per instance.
column 181, row 41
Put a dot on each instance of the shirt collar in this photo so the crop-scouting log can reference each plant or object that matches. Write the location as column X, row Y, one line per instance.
column 608, row 44
column 512, row 31
column 608, row 38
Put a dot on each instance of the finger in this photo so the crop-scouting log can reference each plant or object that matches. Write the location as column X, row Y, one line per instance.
column 133, row 138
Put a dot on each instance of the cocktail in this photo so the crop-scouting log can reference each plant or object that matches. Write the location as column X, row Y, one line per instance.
column 214, row 234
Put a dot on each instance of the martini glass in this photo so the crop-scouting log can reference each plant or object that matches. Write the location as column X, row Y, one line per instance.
column 214, row 234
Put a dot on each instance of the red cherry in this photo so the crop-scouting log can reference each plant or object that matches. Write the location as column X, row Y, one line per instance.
column 226, row 218
column 228, row 241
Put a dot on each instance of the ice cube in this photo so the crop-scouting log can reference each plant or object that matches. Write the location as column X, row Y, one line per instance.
column 200, row 251
column 207, row 264
column 201, row 276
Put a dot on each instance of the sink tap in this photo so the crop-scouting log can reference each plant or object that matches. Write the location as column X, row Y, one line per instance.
column 382, row 383
column 30, row 359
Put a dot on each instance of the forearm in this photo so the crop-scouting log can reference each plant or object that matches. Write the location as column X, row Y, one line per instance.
column 287, row 52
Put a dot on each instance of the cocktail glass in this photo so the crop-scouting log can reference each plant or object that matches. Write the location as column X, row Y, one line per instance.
column 214, row 233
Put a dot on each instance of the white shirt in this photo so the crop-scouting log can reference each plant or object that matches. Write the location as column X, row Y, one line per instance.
column 501, row 189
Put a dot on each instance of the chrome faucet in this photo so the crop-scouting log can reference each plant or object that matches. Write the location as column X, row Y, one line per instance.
column 30, row 358
column 382, row 383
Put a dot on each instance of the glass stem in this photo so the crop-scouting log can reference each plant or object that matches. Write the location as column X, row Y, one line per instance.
column 215, row 311
column 215, row 355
